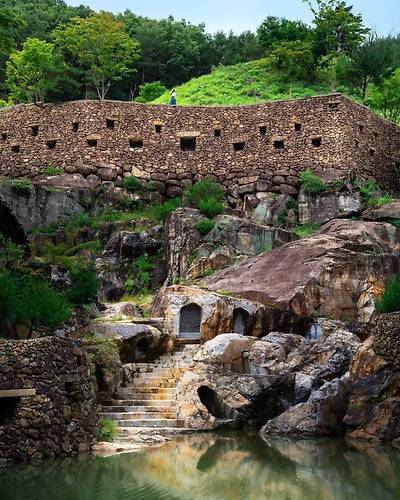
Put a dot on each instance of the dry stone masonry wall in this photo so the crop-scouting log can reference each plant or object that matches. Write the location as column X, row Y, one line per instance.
column 247, row 148
column 57, row 417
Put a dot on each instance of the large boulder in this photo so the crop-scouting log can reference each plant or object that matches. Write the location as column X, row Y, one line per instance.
column 337, row 272
column 374, row 409
column 320, row 415
column 131, row 244
column 389, row 212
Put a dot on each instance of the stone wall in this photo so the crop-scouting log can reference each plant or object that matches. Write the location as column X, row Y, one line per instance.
column 247, row 148
column 387, row 338
column 60, row 419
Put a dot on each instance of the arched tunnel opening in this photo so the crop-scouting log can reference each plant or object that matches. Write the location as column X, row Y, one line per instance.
column 10, row 228
column 213, row 403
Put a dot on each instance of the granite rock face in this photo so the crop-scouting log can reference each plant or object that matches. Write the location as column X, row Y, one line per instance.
column 320, row 415
column 324, row 207
column 189, row 255
column 60, row 420
column 387, row 212
column 338, row 272
column 374, row 408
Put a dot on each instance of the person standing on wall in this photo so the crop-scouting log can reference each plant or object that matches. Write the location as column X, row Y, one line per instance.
column 172, row 99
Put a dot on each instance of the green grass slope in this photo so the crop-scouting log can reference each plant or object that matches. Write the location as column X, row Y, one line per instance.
column 246, row 83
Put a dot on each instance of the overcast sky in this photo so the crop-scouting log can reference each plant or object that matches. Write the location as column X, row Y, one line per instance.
column 382, row 15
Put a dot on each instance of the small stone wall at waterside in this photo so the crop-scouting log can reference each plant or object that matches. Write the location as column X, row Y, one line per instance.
column 246, row 148
column 60, row 420
column 387, row 338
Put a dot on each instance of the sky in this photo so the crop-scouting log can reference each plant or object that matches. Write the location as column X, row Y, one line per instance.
column 240, row 15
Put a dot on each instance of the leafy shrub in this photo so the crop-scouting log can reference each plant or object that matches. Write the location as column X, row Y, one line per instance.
column 29, row 300
column 84, row 285
column 108, row 429
column 380, row 201
column 203, row 190
column 138, row 281
column 132, row 184
column 21, row 186
column 51, row 170
column 163, row 209
column 211, row 207
column 368, row 189
column 305, row 230
column 150, row 91
column 311, row 183
column 11, row 255
column 390, row 299
column 204, row 226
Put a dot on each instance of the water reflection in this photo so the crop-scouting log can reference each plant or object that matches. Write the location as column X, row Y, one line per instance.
column 217, row 467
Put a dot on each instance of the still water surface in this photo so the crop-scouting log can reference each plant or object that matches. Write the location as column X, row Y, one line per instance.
column 217, row 467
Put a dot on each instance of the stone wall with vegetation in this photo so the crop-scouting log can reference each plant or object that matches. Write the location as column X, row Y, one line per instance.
column 247, row 148
column 60, row 420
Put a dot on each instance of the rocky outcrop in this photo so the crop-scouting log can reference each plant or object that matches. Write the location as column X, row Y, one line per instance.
column 321, row 208
column 320, row 415
column 42, row 206
column 390, row 211
column 220, row 313
column 269, row 208
column 338, row 272
column 189, row 255
column 238, row 378
column 374, row 409
column 59, row 418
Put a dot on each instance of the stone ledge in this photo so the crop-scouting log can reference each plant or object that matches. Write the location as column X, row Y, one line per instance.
column 17, row 393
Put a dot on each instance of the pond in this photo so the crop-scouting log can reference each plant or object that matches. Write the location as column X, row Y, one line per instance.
column 217, row 467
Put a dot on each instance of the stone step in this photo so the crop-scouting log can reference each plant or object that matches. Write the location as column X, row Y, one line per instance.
column 125, row 433
column 148, row 389
column 140, row 415
column 142, row 402
column 162, row 422
column 149, row 408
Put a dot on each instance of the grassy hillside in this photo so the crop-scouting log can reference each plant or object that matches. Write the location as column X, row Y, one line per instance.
column 245, row 83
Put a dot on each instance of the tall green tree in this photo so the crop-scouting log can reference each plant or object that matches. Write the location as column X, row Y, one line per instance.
column 371, row 62
column 337, row 29
column 385, row 98
column 33, row 70
column 101, row 47
column 275, row 30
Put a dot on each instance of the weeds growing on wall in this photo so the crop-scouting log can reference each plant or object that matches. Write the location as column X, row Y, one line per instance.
column 108, row 429
column 51, row 170
column 311, row 183
column 204, row 226
column 21, row 186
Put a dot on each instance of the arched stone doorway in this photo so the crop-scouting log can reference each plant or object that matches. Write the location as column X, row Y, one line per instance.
column 241, row 321
column 190, row 321
column 9, row 225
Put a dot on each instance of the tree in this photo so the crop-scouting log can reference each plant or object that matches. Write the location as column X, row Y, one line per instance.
column 337, row 28
column 275, row 30
column 371, row 62
column 150, row 91
column 385, row 98
column 294, row 59
column 100, row 46
column 28, row 300
column 32, row 71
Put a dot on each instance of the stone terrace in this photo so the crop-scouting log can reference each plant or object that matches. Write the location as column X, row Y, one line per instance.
column 248, row 148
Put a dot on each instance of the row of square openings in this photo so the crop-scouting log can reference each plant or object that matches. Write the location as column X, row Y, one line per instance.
column 110, row 123
column 186, row 144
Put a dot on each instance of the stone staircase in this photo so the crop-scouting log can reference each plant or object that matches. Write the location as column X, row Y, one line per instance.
column 149, row 403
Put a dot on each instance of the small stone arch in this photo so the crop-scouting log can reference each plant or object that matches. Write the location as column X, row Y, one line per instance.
column 241, row 321
column 190, row 321
column 10, row 226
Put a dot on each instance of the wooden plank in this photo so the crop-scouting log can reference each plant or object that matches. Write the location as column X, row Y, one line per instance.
column 17, row 393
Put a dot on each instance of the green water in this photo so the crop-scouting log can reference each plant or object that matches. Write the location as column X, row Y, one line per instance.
column 217, row 467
